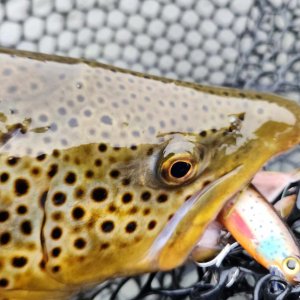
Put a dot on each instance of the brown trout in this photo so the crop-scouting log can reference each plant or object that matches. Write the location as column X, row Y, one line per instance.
column 106, row 172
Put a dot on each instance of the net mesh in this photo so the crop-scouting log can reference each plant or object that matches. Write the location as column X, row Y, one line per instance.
column 250, row 44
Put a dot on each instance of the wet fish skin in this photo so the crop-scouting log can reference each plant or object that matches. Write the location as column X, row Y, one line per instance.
column 86, row 185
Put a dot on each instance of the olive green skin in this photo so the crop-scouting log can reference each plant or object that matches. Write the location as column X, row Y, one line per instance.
column 84, row 150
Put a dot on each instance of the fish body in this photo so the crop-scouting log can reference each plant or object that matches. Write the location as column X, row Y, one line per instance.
column 105, row 172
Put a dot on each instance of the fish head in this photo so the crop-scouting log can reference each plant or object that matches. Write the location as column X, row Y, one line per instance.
column 143, row 206
column 133, row 167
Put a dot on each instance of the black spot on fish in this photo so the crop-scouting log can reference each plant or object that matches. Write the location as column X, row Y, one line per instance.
column 78, row 213
column 99, row 194
column 26, row 227
column 151, row 224
column 3, row 282
column 56, row 251
column 70, row 178
column 21, row 209
column 52, row 170
column 79, row 243
column 21, row 186
column 107, row 226
column 59, row 198
column 56, row 269
column 19, row 262
column 131, row 227
column 114, row 174
column 4, row 215
column 12, row 161
column 56, row 233
column 146, row 196
column 4, row 177
column 4, row 238
column 102, row 147
column 127, row 197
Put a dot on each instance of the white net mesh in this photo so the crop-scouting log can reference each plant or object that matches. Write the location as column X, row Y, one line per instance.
column 248, row 44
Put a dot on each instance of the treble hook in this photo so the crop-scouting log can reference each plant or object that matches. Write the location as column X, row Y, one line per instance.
column 219, row 258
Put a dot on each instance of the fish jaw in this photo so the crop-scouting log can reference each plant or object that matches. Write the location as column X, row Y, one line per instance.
column 272, row 138
column 178, row 239
column 175, row 243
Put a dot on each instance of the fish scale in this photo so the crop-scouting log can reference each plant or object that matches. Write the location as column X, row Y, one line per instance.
column 88, row 150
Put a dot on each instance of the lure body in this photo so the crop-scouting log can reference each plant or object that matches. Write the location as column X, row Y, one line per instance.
column 255, row 224
column 267, row 186
column 87, row 177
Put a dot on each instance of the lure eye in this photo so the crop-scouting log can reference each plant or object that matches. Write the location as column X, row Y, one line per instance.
column 178, row 170
column 291, row 265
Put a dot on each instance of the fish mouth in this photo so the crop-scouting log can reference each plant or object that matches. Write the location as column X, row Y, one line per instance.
column 171, row 228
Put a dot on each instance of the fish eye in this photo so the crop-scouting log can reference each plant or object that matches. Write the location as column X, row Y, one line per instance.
column 178, row 169
column 291, row 265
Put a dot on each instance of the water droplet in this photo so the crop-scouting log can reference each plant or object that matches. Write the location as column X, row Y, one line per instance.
column 79, row 85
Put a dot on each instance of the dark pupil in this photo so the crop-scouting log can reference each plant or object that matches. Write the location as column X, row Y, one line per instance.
column 180, row 169
column 291, row 264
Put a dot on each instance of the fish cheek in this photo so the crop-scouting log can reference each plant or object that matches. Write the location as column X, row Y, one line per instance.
column 90, row 237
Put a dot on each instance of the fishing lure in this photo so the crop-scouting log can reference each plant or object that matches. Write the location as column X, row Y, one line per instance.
column 254, row 223
column 252, row 220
